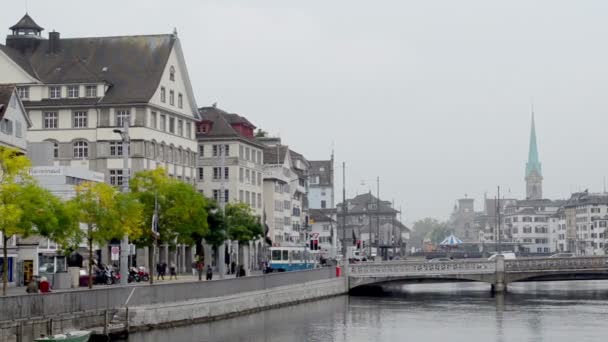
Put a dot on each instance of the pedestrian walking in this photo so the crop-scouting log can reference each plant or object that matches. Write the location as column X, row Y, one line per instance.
column 232, row 267
column 172, row 271
column 209, row 274
column 163, row 270
column 159, row 271
column 193, row 265
column 200, row 267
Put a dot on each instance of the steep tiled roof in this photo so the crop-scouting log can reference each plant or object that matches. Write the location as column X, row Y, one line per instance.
column 360, row 204
column 131, row 65
column 26, row 23
column 325, row 176
column 222, row 124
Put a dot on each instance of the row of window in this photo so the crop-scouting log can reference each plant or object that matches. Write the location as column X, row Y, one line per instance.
column 167, row 123
column 250, row 177
column 217, row 196
column 168, row 154
column 163, row 97
column 280, row 187
column 282, row 205
column 528, row 230
column 245, row 153
column 117, row 177
column 56, row 92
column 253, row 199
column 80, row 120
column 6, row 127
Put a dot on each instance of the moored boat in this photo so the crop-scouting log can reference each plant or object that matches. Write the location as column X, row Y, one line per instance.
column 72, row 336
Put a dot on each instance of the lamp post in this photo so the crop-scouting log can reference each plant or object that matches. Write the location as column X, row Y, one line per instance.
column 124, row 243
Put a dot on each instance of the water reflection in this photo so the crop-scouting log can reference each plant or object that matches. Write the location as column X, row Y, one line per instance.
column 556, row 311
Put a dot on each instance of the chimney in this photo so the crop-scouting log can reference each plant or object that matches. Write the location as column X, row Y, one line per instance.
column 54, row 42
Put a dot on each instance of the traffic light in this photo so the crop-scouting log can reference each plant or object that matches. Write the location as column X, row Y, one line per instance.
column 314, row 245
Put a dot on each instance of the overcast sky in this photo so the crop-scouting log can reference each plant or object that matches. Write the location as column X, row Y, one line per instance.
column 432, row 96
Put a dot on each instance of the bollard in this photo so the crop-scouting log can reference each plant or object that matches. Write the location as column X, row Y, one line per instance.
column 338, row 271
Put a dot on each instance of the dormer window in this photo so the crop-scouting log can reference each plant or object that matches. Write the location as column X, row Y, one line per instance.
column 172, row 98
column 55, row 92
column 73, row 91
column 172, row 73
column 163, row 95
column 24, row 92
column 91, row 91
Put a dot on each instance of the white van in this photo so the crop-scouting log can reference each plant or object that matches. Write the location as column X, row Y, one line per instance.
column 506, row 255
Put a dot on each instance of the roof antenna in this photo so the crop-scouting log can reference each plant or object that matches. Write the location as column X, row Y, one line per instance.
column 175, row 31
column 214, row 105
column 26, row 9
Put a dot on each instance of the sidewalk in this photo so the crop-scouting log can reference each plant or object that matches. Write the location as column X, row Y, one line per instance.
column 182, row 278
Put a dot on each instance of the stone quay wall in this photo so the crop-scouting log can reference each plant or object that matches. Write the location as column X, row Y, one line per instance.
column 130, row 308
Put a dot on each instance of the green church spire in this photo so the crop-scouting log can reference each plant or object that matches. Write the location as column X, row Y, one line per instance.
column 533, row 163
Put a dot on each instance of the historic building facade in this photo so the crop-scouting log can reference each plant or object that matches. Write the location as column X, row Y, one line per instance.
column 78, row 91
column 230, row 163
column 321, row 184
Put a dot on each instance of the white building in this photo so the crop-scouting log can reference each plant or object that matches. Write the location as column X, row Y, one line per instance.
column 230, row 158
column 529, row 225
column 14, row 120
column 589, row 221
column 321, row 184
column 281, row 184
column 77, row 91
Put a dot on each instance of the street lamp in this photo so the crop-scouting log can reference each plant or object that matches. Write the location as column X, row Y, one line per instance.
column 124, row 243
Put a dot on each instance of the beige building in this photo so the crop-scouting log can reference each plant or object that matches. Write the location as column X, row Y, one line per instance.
column 77, row 91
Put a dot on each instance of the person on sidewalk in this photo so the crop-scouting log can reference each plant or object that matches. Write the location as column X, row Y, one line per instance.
column 45, row 287
column 32, row 286
column 200, row 267
column 209, row 274
column 194, row 268
column 163, row 270
column 159, row 271
column 172, row 271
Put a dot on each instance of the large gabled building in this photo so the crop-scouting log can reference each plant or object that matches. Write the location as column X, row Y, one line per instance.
column 77, row 91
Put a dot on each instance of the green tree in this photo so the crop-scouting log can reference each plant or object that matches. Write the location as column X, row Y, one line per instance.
column 216, row 234
column 27, row 209
column 182, row 212
column 97, row 207
column 243, row 226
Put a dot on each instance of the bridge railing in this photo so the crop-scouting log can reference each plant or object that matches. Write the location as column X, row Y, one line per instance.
column 421, row 268
column 544, row 264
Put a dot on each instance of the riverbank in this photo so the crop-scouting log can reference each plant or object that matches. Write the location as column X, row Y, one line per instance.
column 125, row 309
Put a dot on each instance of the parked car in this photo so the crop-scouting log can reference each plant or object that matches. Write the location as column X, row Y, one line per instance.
column 506, row 255
column 562, row 255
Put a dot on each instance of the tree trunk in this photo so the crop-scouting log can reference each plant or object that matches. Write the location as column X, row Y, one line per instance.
column 4, row 264
column 151, row 251
column 90, row 263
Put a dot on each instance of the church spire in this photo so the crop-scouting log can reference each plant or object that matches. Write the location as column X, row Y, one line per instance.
column 533, row 163
column 534, row 176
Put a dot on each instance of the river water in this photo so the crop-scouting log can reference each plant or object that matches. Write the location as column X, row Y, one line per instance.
column 573, row 311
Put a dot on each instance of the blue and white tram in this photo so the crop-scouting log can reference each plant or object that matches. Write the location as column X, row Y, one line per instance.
column 293, row 258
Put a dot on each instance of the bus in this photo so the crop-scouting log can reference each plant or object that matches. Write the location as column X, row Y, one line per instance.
column 293, row 258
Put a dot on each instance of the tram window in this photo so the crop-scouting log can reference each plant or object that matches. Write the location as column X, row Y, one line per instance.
column 285, row 255
column 276, row 255
column 297, row 255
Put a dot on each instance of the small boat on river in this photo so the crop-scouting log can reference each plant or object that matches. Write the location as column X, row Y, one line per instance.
column 72, row 336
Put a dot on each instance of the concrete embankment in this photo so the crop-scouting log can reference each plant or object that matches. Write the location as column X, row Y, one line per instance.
column 132, row 308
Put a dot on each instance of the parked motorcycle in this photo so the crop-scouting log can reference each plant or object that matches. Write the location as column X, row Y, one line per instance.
column 133, row 275
column 143, row 275
column 104, row 275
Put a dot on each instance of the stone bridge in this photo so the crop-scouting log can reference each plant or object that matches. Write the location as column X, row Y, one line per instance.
column 498, row 272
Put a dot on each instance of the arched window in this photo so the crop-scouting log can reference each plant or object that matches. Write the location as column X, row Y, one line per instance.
column 81, row 149
column 179, row 156
column 172, row 73
column 170, row 155
column 161, row 152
